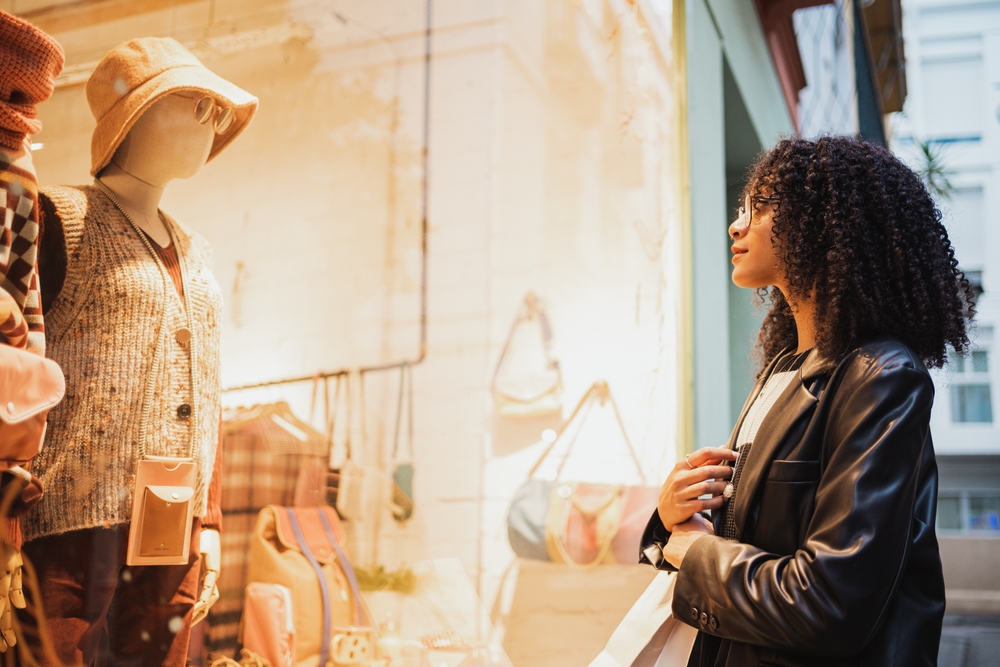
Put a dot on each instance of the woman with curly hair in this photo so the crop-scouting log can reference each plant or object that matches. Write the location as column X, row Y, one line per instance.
column 821, row 549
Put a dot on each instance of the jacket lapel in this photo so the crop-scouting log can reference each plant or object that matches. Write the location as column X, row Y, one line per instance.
column 789, row 407
column 718, row 515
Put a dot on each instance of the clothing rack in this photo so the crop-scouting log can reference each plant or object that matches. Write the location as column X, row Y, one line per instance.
column 422, row 353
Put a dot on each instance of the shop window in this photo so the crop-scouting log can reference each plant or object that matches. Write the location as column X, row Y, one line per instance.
column 971, row 394
column 969, row 512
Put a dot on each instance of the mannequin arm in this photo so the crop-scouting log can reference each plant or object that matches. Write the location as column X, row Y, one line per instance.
column 11, row 594
column 211, row 557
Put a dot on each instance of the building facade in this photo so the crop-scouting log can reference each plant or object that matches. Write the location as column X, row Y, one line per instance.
column 953, row 115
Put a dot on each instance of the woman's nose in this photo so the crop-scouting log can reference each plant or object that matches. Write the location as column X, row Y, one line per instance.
column 736, row 228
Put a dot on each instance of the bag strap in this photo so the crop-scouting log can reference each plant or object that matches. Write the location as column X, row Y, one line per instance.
column 331, row 416
column 599, row 391
column 531, row 307
column 352, row 579
column 405, row 386
column 300, row 538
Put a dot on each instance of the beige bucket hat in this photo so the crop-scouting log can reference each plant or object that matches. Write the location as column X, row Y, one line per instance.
column 136, row 74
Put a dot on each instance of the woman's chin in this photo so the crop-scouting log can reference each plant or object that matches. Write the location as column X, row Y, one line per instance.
column 740, row 279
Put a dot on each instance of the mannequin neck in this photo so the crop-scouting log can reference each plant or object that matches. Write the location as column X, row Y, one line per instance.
column 135, row 194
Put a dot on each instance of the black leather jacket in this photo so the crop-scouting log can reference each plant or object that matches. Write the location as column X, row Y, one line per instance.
column 837, row 562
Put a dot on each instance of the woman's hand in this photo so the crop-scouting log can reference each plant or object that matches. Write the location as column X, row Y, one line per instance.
column 690, row 479
column 683, row 536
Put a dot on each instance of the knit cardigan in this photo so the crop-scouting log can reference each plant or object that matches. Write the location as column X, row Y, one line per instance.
column 104, row 330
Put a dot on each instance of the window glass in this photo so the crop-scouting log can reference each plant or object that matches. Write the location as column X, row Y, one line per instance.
column 984, row 513
column 971, row 403
column 980, row 361
column 949, row 512
column 964, row 214
column 953, row 104
column 956, row 361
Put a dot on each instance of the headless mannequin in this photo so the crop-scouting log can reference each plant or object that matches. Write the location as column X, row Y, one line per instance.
column 165, row 143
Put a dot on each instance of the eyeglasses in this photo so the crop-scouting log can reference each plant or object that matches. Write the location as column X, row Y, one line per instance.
column 756, row 200
column 206, row 108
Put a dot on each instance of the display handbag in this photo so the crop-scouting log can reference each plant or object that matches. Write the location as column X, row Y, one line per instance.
column 162, row 511
column 362, row 490
column 268, row 624
column 30, row 386
column 527, row 381
column 301, row 549
column 649, row 635
column 580, row 524
column 163, row 495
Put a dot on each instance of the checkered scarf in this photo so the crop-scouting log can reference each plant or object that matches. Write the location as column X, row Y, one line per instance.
column 19, row 238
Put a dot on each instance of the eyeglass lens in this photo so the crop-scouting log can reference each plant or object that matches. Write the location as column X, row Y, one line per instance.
column 205, row 109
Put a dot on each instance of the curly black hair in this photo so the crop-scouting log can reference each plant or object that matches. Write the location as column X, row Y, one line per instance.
column 859, row 233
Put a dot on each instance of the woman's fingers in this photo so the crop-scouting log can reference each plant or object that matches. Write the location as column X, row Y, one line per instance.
column 710, row 456
column 691, row 477
column 713, row 503
column 706, row 488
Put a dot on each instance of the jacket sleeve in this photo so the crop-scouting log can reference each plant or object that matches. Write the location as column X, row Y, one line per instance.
column 830, row 595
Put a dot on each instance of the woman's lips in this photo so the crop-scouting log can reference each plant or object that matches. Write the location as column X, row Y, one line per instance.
column 737, row 252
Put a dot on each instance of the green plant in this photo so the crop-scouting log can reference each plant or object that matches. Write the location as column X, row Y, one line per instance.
column 378, row 578
column 933, row 171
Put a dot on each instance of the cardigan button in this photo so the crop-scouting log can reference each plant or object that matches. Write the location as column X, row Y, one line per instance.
column 183, row 335
column 184, row 411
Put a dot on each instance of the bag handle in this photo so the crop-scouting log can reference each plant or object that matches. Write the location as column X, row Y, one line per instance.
column 324, row 646
column 599, row 391
column 531, row 307
column 346, row 565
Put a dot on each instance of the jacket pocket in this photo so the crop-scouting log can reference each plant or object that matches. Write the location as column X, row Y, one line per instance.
column 793, row 471
column 786, row 506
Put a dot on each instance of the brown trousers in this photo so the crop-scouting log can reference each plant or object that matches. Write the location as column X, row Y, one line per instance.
column 100, row 611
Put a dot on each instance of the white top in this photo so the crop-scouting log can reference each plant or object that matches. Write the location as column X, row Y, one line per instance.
column 773, row 388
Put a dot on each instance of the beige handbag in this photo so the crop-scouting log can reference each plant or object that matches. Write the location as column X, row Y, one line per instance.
column 300, row 548
column 162, row 511
column 30, row 386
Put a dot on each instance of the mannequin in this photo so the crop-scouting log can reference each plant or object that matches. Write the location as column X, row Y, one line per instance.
column 166, row 143
column 132, row 314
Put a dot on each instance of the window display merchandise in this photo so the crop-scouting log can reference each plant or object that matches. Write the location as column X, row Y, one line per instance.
column 132, row 309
